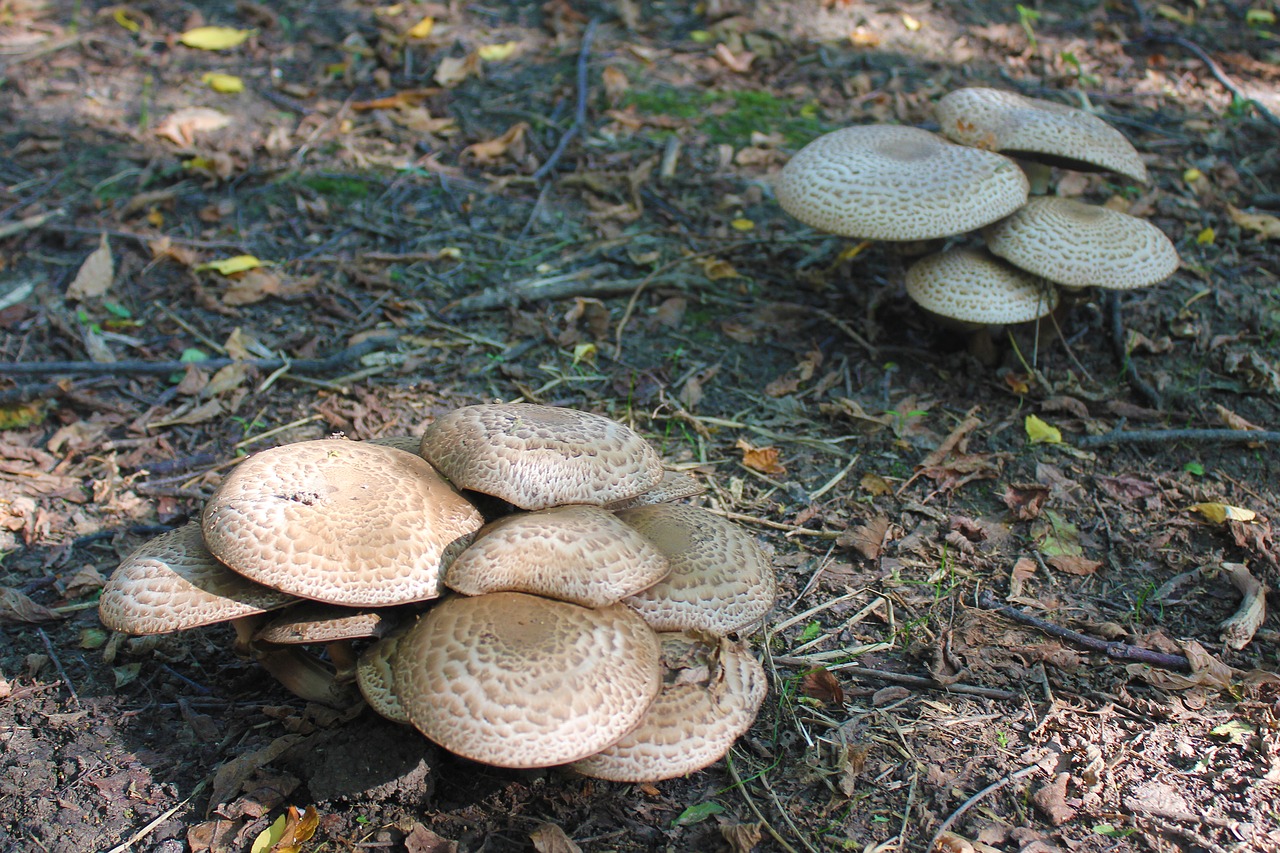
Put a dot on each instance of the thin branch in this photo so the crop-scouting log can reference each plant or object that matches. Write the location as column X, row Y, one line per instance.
column 57, row 664
column 1171, row 436
column 1110, row 648
column 976, row 798
column 1216, row 70
column 580, row 113
column 1119, row 346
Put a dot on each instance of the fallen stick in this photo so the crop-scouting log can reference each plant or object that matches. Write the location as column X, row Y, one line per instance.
column 1110, row 648
column 580, row 112
column 1120, row 348
column 1169, row 436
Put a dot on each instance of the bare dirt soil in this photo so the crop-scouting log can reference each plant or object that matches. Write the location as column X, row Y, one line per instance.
column 406, row 186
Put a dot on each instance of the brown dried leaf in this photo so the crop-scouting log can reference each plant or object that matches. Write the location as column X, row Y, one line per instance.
column 867, row 539
column 231, row 775
column 453, row 70
column 1074, row 565
column 762, row 459
column 1266, row 226
column 1051, row 800
column 853, row 760
column 821, row 685
column 422, row 840
column 1025, row 500
column 549, row 838
column 298, row 830
column 492, row 149
column 742, row 837
column 96, row 273
column 875, row 485
column 258, row 284
column 17, row 609
column 181, row 127
column 1232, row 420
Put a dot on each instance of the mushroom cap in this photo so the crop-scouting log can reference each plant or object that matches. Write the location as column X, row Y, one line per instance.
column 317, row 622
column 1083, row 245
column 583, row 554
column 172, row 582
column 345, row 522
column 407, row 443
column 516, row 680
column 541, row 456
column 996, row 120
column 885, row 182
column 376, row 678
column 720, row 581
column 674, row 486
column 712, row 691
column 973, row 287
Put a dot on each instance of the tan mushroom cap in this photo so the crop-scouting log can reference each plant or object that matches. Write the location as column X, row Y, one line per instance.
column 720, row 581
column 340, row 521
column 376, row 678
column 973, row 287
column 317, row 622
column 407, row 443
column 674, row 486
column 1083, row 245
column 884, row 182
column 516, row 680
column 711, row 694
column 996, row 120
column 172, row 582
column 541, row 456
column 583, row 554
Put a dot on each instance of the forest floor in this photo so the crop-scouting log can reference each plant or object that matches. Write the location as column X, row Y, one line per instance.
column 402, row 184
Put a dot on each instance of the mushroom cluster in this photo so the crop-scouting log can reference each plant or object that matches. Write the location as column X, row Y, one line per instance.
column 534, row 594
column 881, row 182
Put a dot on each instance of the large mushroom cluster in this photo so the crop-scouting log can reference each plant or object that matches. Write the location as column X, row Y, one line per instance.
column 882, row 182
column 534, row 593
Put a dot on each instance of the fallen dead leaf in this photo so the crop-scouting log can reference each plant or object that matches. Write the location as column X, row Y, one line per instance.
column 762, row 459
column 821, row 685
column 1074, row 564
column 452, row 70
column 867, row 539
column 512, row 141
column 423, row 840
column 1025, row 500
column 742, row 837
column 181, row 127
column 550, row 838
column 95, row 275
column 1266, row 226
column 18, row 609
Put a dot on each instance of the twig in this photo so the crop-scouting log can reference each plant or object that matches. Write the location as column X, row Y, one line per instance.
column 1118, row 346
column 580, row 113
column 1216, row 70
column 161, row 368
column 859, row 671
column 159, row 819
column 28, row 224
column 746, row 795
column 57, row 664
column 1169, row 436
column 1110, row 648
column 549, row 287
column 969, row 803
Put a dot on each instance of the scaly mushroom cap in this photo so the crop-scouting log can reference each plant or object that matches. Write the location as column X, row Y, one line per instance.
column 516, row 680
column 720, row 581
column 711, row 694
column 172, row 583
column 316, row 622
column 582, row 554
column 377, row 679
column 1083, row 245
column 674, row 486
column 995, row 120
column 407, row 443
column 541, row 456
column 340, row 521
column 973, row 287
column 884, row 182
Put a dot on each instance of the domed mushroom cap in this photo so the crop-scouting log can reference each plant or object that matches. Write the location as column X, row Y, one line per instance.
column 996, row 120
column 376, row 678
column 582, row 554
column 340, row 521
column 674, row 486
column 973, row 287
column 316, row 622
column 711, row 694
column 541, row 456
column 720, row 581
column 407, row 443
column 172, row 582
column 884, row 182
column 1083, row 245
column 516, row 680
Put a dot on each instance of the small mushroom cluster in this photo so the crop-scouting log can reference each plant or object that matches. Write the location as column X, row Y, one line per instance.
column 882, row 182
column 588, row 623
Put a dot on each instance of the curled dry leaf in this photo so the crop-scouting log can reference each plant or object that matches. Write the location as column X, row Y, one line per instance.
column 1074, row 564
column 742, row 837
column 821, row 685
column 181, row 127
column 867, row 539
column 1025, row 500
column 1239, row 628
column 16, row 608
column 96, row 273
column 512, row 141
column 550, row 838
column 762, row 459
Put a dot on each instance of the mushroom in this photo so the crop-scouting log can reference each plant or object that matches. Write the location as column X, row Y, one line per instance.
column 885, row 182
column 720, row 581
column 537, row 457
column 339, row 521
column 583, row 554
column 407, row 443
column 517, row 680
column 674, row 486
column 975, row 289
column 335, row 626
column 376, row 678
column 711, row 694
column 1083, row 245
column 1039, row 130
column 173, row 582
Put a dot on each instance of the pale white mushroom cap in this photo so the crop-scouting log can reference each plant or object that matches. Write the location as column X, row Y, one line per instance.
column 517, row 680
column 973, row 287
column 712, row 691
column 537, row 456
column 376, row 678
column 721, row 579
column 996, row 120
column 885, row 182
column 340, row 521
column 317, row 622
column 1083, row 245
column 172, row 583
column 583, row 554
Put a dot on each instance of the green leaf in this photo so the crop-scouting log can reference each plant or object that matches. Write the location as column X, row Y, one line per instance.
column 812, row 630
column 697, row 814
column 1056, row 536
column 1040, row 432
column 269, row 836
column 1194, row 468
column 127, row 673
column 1112, row 831
column 1235, row 731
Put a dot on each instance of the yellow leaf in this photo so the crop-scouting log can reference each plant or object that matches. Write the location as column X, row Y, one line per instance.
column 742, row 224
column 228, row 266
column 450, row 253
column 853, row 251
column 1192, row 175
column 1040, row 432
column 422, row 29
column 1219, row 513
column 584, row 352
column 1268, row 227
column 716, row 269
column 1168, row 12
column 1206, row 237
column 498, row 52
column 910, row 23
column 215, row 38
column 121, row 16
column 22, row 415
column 269, row 836
column 226, row 84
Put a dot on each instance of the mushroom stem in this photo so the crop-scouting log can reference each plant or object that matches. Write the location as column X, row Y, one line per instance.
column 303, row 675
column 344, row 660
